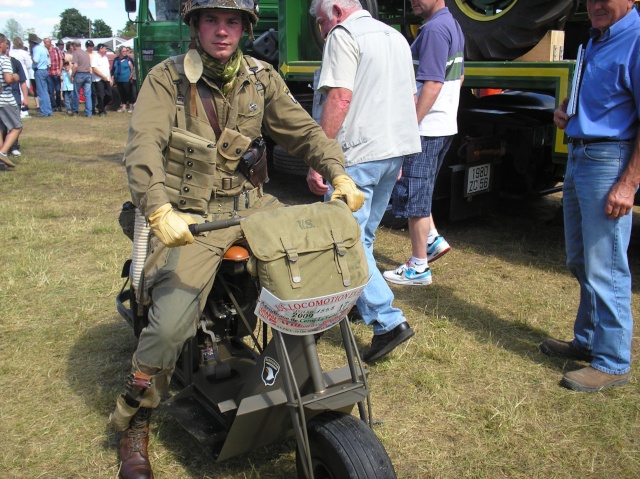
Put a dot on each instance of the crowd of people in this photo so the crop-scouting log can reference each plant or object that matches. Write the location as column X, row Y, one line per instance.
column 60, row 77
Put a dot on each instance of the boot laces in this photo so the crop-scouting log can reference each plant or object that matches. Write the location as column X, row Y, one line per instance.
column 137, row 431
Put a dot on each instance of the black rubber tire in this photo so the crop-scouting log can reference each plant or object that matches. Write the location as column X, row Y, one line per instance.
column 370, row 5
column 513, row 31
column 344, row 447
column 283, row 162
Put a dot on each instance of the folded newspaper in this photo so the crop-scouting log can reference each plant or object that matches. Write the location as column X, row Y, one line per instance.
column 306, row 316
column 572, row 107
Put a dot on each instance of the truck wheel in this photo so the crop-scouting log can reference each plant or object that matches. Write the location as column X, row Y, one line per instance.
column 506, row 29
column 283, row 162
column 344, row 447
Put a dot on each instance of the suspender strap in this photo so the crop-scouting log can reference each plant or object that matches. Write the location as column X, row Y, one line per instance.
column 181, row 121
column 207, row 102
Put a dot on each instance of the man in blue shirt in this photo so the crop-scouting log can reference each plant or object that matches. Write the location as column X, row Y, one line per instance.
column 41, row 76
column 603, row 173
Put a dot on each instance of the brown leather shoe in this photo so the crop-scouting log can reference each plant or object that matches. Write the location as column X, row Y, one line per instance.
column 563, row 349
column 591, row 380
column 133, row 447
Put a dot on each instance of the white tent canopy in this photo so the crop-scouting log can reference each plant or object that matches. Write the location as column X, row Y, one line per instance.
column 112, row 43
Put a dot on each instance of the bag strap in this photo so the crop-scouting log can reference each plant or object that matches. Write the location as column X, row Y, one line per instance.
column 341, row 252
column 207, row 102
column 292, row 256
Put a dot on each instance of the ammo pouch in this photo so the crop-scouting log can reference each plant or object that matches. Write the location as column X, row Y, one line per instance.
column 231, row 146
column 307, row 251
column 190, row 168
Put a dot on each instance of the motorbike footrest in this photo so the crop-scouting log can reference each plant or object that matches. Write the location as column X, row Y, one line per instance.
column 197, row 420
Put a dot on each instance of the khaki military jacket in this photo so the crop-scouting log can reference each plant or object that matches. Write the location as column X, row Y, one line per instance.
column 160, row 151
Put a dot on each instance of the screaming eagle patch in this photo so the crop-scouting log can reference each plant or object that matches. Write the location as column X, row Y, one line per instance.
column 270, row 371
column 288, row 93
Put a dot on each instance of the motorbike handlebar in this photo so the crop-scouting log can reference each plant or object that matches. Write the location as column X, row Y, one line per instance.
column 213, row 225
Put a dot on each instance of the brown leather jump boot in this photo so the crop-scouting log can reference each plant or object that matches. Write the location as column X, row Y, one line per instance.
column 133, row 447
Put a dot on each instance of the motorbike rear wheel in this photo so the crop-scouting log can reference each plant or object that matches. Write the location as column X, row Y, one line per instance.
column 344, row 447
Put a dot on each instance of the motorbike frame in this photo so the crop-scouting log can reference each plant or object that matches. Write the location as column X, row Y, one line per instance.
column 229, row 416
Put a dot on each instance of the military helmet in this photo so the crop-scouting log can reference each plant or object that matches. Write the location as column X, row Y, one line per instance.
column 250, row 7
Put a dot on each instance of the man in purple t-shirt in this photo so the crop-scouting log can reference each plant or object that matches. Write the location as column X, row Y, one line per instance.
column 439, row 49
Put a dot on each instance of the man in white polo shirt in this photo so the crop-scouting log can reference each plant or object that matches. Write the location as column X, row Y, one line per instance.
column 101, row 77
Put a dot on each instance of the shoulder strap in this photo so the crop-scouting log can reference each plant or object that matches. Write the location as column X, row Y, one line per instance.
column 253, row 67
column 207, row 102
column 173, row 66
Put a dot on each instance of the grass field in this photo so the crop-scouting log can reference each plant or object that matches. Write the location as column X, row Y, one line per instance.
column 469, row 396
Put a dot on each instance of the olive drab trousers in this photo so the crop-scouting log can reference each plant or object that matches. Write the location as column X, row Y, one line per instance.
column 178, row 281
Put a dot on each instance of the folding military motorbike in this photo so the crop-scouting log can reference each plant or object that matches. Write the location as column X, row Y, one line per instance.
column 243, row 383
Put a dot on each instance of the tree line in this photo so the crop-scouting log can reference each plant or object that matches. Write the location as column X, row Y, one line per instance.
column 72, row 24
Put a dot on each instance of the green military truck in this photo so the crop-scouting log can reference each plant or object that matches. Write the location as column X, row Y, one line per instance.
column 507, row 144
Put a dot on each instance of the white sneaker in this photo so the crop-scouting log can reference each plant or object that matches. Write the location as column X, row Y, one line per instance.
column 15, row 153
column 437, row 249
column 407, row 274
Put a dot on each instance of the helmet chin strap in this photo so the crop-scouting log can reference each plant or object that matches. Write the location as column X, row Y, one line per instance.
column 193, row 32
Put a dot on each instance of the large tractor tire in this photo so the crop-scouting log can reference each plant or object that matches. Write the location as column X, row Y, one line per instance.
column 507, row 29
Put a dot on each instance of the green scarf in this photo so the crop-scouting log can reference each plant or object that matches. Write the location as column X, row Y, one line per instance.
column 223, row 74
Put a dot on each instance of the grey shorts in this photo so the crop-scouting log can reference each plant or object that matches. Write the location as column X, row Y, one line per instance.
column 10, row 117
column 413, row 192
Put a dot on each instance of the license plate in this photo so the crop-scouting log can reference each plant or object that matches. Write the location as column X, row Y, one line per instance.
column 478, row 179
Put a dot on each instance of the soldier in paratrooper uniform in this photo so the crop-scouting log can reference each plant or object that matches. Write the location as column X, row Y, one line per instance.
column 196, row 116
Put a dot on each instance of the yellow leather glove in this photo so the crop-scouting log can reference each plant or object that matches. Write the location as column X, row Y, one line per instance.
column 171, row 227
column 344, row 187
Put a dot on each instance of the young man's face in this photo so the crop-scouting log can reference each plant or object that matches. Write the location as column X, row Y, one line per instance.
column 4, row 46
column 220, row 32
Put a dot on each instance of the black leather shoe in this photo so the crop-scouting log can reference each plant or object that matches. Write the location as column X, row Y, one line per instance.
column 564, row 349
column 383, row 344
column 355, row 317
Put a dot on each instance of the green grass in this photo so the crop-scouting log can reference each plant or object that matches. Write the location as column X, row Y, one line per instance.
column 468, row 397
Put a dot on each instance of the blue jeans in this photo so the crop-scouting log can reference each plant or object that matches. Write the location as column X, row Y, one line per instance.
column 597, row 254
column 82, row 81
column 375, row 179
column 68, row 97
column 54, row 85
column 42, row 88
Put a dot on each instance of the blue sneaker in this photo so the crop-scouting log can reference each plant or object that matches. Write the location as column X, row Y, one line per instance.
column 437, row 249
column 407, row 274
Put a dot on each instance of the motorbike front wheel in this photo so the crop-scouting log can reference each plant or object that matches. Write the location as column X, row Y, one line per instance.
column 344, row 447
